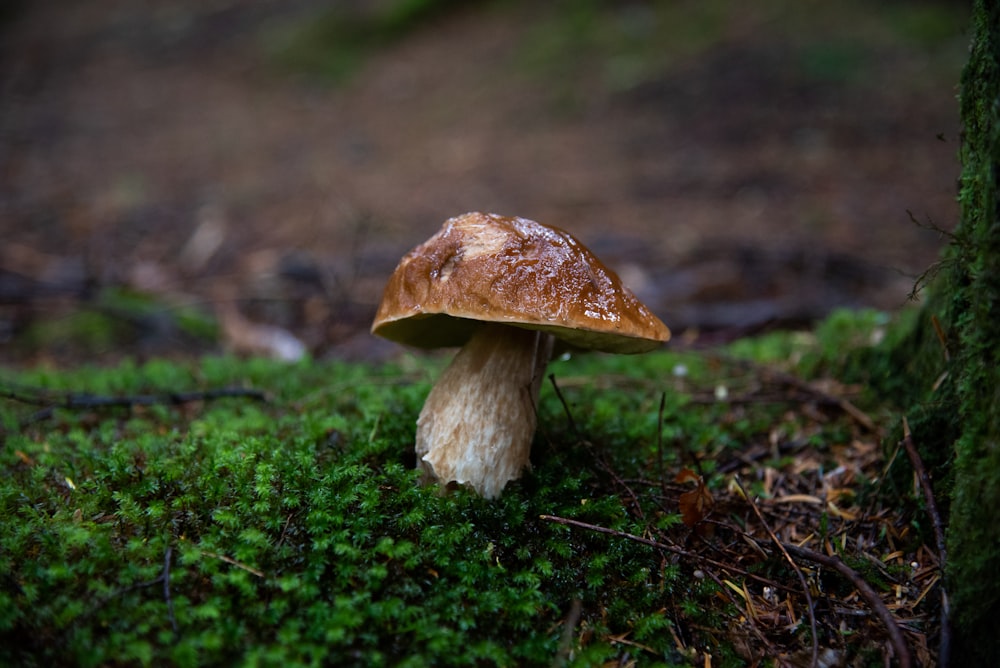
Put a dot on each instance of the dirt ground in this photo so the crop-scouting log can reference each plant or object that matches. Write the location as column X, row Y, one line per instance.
column 761, row 175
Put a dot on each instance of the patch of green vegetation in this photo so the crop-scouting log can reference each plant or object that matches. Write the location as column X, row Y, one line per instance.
column 117, row 316
column 294, row 531
column 335, row 42
column 586, row 47
column 146, row 310
column 623, row 44
column 833, row 345
column 583, row 48
column 85, row 328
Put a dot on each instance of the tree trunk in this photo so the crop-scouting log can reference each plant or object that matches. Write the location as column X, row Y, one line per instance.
column 955, row 414
column 973, row 574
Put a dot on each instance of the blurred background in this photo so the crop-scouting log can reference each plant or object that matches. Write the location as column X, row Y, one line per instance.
column 183, row 176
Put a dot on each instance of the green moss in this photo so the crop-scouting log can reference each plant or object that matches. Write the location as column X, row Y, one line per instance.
column 294, row 531
column 297, row 533
column 976, row 323
column 941, row 367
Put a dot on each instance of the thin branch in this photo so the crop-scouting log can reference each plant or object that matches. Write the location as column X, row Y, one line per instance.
column 163, row 578
column 929, row 274
column 659, row 439
column 238, row 564
column 942, row 337
column 944, row 648
column 866, row 591
column 569, row 626
column 931, row 225
column 928, row 491
column 166, row 588
column 82, row 401
column 85, row 401
column 562, row 400
column 798, row 571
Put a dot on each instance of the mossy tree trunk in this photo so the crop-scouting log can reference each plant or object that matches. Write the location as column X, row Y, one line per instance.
column 974, row 533
column 956, row 418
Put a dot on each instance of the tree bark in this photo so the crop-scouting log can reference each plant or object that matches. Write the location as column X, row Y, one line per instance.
column 949, row 365
column 974, row 532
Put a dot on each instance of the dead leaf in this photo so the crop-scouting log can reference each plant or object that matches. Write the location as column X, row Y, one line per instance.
column 696, row 504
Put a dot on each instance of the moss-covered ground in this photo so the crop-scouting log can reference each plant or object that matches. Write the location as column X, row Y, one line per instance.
column 290, row 529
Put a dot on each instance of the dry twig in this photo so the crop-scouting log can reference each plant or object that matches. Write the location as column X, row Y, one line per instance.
column 569, row 626
column 85, row 401
column 238, row 564
column 944, row 645
column 569, row 414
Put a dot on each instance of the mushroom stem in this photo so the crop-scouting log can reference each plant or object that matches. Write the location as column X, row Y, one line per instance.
column 478, row 422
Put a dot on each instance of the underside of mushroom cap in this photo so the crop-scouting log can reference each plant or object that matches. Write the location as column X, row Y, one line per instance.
column 485, row 267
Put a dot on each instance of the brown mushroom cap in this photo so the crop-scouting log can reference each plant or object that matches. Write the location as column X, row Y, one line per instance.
column 484, row 267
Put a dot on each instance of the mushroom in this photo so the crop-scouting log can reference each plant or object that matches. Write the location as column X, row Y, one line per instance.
column 509, row 291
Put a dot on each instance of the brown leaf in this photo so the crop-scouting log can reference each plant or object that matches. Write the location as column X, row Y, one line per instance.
column 696, row 504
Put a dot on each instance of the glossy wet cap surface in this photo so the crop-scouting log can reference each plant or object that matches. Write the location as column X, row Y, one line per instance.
column 485, row 267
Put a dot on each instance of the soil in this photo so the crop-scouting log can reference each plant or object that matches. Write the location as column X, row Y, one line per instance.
column 157, row 146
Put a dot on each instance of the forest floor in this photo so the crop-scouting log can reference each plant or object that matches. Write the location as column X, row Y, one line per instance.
column 174, row 175
column 721, row 508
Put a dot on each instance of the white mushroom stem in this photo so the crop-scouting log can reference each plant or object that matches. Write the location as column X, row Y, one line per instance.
column 478, row 422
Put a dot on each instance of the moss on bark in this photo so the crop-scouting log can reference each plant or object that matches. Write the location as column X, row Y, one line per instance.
column 952, row 403
column 974, row 535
